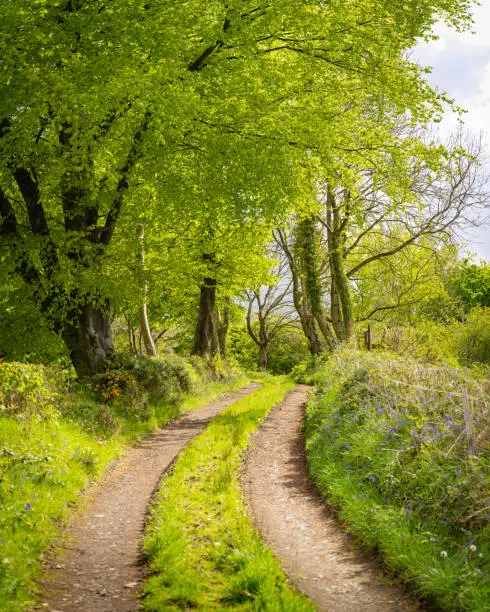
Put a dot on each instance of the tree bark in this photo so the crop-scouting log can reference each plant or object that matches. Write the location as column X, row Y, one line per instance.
column 148, row 342
column 325, row 329
column 88, row 337
column 335, row 313
column 222, row 326
column 340, row 282
column 302, row 305
column 301, row 301
column 306, row 242
column 150, row 346
column 263, row 357
column 205, row 334
column 309, row 328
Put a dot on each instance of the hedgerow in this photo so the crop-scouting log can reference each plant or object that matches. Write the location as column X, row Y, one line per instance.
column 401, row 448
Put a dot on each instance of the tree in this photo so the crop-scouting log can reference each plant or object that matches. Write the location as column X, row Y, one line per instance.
column 370, row 224
column 301, row 297
column 225, row 83
column 273, row 313
column 469, row 283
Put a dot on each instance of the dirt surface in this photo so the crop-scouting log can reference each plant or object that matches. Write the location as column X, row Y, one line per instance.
column 99, row 567
column 320, row 558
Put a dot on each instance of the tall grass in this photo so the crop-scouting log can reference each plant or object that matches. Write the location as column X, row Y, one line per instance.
column 401, row 448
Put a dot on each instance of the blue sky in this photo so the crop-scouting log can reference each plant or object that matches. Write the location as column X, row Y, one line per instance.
column 461, row 67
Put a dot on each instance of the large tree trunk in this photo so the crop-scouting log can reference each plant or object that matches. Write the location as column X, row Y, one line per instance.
column 205, row 334
column 306, row 318
column 326, row 330
column 88, row 337
column 263, row 357
column 342, row 283
column 301, row 300
column 335, row 313
column 312, row 308
column 309, row 328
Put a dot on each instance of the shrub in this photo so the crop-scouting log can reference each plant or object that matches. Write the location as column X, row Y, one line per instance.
column 143, row 382
column 307, row 371
column 242, row 348
column 473, row 341
column 287, row 350
column 427, row 341
column 200, row 369
column 96, row 418
column 164, row 378
column 27, row 390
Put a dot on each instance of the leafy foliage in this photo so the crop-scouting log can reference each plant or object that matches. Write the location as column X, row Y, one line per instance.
column 27, row 391
column 234, row 112
column 470, row 284
column 473, row 339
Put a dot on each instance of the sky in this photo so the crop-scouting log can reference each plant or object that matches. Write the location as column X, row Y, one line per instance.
column 461, row 67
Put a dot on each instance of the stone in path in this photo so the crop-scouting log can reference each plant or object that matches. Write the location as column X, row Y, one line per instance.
column 99, row 568
column 322, row 560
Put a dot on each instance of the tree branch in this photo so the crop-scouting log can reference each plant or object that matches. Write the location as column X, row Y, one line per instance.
column 103, row 235
column 30, row 192
column 8, row 220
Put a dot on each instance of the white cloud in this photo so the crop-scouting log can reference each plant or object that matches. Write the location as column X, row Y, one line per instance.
column 479, row 37
column 461, row 67
column 477, row 102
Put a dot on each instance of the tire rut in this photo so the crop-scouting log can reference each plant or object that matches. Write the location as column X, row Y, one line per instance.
column 99, row 568
column 322, row 560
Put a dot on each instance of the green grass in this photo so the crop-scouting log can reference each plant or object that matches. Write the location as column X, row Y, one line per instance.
column 394, row 445
column 202, row 548
column 46, row 462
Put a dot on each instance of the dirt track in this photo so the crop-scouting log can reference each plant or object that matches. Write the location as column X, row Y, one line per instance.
column 99, row 569
column 321, row 559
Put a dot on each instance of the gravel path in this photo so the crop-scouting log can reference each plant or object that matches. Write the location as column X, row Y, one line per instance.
column 322, row 560
column 99, row 568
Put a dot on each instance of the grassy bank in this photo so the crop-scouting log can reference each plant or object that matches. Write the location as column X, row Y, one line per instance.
column 54, row 440
column 202, row 549
column 401, row 449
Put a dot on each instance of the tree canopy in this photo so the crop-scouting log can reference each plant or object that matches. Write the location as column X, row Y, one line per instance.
column 211, row 121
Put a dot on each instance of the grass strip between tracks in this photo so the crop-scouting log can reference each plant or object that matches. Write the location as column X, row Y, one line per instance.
column 202, row 548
